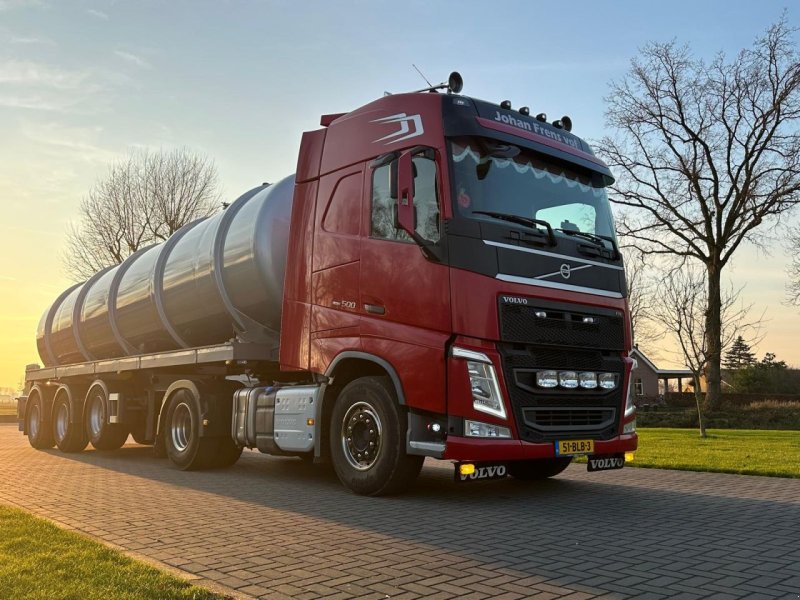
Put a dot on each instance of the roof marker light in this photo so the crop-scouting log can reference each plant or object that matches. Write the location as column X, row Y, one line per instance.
column 506, row 104
column 524, row 110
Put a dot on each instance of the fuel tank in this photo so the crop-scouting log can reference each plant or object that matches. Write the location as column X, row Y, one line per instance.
column 213, row 280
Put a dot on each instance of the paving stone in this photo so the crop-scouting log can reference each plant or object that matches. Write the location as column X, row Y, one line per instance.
column 278, row 528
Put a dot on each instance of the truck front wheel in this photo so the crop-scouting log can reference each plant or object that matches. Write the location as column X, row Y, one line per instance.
column 367, row 439
column 534, row 470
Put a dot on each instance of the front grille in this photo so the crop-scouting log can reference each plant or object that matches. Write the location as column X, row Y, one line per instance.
column 562, row 326
column 551, row 419
column 561, row 341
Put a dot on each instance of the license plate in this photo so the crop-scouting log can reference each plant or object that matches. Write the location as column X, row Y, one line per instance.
column 574, row 447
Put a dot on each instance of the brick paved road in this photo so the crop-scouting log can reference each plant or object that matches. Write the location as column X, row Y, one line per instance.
column 280, row 528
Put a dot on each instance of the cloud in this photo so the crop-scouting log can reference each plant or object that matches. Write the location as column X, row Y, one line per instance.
column 31, row 40
column 79, row 141
column 37, row 102
column 133, row 59
column 12, row 4
column 30, row 73
column 98, row 14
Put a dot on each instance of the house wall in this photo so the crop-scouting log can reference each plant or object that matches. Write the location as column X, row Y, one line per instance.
column 649, row 379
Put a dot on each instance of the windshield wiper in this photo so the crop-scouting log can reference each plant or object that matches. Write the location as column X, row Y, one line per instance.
column 524, row 221
column 597, row 239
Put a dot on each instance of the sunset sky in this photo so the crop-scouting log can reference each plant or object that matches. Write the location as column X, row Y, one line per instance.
column 83, row 83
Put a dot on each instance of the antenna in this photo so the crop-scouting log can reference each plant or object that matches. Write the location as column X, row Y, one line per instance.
column 421, row 75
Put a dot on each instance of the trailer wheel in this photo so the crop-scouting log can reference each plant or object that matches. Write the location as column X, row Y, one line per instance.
column 185, row 448
column 69, row 434
column 40, row 434
column 102, row 434
column 367, row 440
column 534, row 470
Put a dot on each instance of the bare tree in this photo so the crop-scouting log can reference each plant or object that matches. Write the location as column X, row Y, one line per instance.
column 141, row 200
column 680, row 307
column 707, row 153
column 641, row 289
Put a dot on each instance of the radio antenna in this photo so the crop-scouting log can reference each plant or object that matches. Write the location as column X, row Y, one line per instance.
column 421, row 75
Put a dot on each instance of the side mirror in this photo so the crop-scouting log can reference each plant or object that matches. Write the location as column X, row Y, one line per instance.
column 405, row 194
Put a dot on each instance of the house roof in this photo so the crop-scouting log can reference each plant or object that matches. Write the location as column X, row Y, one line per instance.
column 640, row 356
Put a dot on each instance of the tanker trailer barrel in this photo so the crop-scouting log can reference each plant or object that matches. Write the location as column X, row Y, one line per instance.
column 213, row 280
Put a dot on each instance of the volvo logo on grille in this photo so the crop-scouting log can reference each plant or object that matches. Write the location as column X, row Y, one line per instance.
column 514, row 300
column 565, row 271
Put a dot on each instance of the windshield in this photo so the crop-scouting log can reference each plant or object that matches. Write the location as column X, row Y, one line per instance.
column 496, row 178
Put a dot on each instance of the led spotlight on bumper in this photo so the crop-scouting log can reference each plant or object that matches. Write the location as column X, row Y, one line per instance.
column 570, row 380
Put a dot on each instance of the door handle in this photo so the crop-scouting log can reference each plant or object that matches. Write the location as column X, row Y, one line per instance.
column 375, row 309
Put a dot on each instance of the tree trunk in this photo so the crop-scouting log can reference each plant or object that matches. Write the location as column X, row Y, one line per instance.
column 713, row 336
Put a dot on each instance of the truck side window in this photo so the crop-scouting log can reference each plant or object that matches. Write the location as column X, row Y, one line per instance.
column 426, row 203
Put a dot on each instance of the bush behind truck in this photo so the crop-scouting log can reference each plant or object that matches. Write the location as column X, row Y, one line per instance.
column 440, row 278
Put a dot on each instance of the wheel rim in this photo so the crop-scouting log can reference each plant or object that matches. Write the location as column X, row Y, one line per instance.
column 181, row 427
column 33, row 421
column 62, row 421
column 97, row 416
column 361, row 436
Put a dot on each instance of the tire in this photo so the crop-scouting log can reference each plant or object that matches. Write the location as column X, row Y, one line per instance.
column 101, row 434
column 367, row 439
column 40, row 433
column 185, row 448
column 69, row 436
column 535, row 470
column 227, row 453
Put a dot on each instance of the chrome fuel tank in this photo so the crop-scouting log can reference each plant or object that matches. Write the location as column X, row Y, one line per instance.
column 213, row 280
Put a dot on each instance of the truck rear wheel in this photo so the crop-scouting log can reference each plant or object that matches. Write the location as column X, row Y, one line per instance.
column 534, row 470
column 102, row 434
column 40, row 434
column 367, row 439
column 184, row 445
column 68, row 432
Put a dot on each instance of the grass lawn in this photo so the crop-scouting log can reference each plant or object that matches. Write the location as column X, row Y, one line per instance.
column 749, row 452
column 40, row 561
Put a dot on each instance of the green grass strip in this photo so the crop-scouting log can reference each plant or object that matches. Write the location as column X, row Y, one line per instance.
column 41, row 561
column 747, row 452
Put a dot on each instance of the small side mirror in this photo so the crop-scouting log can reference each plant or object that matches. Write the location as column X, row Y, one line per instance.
column 405, row 193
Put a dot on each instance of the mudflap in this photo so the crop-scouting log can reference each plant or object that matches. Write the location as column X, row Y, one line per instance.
column 467, row 471
column 605, row 462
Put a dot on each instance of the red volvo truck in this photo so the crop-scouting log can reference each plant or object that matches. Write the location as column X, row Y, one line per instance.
column 440, row 278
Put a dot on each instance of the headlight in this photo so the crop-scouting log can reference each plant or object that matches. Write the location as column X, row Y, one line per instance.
column 629, row 427
column 483, row 382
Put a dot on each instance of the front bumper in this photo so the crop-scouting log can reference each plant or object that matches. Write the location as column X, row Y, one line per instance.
column 479, row 449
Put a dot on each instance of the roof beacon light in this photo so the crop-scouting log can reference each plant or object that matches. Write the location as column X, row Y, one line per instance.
column 506, row 104
column 567, row 122
column 541, row 117
column 524, row 110
column 557, row 124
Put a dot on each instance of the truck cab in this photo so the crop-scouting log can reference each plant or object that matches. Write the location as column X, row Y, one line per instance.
column 467, row 251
